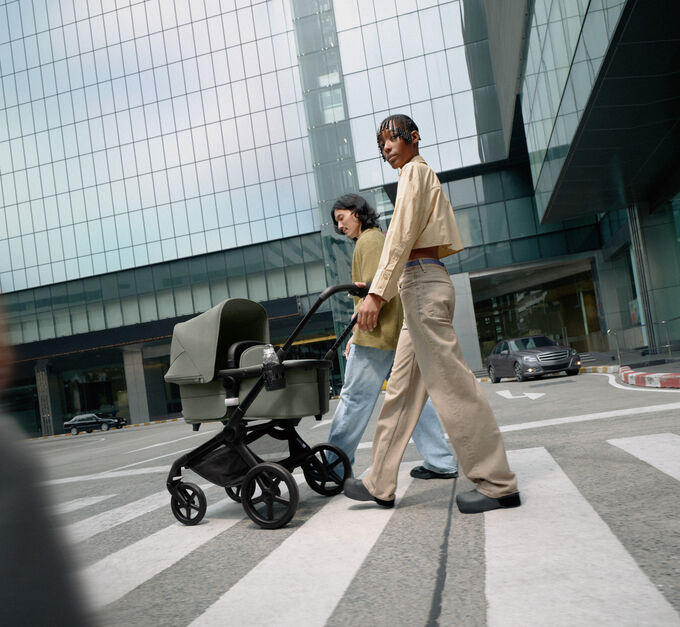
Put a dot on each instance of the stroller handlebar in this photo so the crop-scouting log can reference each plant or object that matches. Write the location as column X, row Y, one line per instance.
column 352, row 288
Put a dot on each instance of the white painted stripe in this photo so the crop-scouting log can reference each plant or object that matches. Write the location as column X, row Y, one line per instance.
column 89, row 527
column 323, row 423
column 76, row 504
column 555, row 562
column 308, row 573
column 112, row 474
column 616, row 413
column 121, row 572
column 661, row 450
column 193, row 435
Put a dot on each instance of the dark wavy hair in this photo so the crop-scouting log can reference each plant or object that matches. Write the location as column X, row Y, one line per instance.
column 399, row 125
column 359, row 206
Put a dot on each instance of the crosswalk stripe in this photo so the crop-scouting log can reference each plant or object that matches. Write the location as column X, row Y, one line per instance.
column 125, row 570
column 291, row 573
column 133, row 565
column 556, row 560
column 89, row 527
column 109, row 474
column 76, row 504
column 661, row 450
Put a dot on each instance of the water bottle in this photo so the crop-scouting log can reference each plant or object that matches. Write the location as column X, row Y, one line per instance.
column 272, row 369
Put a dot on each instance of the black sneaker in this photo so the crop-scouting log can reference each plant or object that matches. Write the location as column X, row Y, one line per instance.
column 420, row 472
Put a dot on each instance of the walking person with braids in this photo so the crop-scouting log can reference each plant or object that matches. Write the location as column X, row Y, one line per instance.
column 428, row 360
column 370, row 353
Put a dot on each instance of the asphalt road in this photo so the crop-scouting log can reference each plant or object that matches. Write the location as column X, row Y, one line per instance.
column 596, row 542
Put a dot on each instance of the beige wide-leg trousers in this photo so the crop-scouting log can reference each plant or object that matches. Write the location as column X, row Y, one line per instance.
column 429, row 361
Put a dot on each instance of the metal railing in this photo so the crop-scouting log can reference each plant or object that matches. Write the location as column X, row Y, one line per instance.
column 641, row 347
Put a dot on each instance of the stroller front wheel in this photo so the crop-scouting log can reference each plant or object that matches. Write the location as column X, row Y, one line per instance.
column 188, row 504
column 326, row 469
column 263, row 498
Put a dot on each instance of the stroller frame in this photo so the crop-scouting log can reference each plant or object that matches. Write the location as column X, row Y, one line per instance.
column 227, row 460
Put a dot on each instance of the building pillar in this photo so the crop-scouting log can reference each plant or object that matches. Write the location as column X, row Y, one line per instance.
column 42, row 385
column 640, row 273
column 133, row 363
column 465, row 322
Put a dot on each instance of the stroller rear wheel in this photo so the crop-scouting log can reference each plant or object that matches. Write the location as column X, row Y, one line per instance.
column 188, row 504
column 263, row 499
column 234, row 492
column 326, row 469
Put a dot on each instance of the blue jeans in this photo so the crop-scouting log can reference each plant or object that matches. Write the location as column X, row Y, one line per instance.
column 366, row 370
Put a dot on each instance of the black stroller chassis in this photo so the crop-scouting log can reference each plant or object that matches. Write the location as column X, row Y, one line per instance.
column 217, row 361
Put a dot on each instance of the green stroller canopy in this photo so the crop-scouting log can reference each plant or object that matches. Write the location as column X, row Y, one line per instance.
column 199, row 346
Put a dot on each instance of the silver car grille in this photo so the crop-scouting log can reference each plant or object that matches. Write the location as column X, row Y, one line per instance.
column 548, row 358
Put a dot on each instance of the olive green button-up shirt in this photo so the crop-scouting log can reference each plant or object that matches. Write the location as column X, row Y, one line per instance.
column 367, row 252
column 423, row 217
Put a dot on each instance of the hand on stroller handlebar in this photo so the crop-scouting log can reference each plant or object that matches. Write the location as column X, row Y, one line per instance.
column 359, row 290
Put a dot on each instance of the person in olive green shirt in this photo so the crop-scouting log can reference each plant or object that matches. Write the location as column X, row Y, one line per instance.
column 370, row 353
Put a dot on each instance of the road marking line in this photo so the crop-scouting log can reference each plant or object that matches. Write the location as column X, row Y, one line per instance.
column 616, row 413
column 110, row 474
column 193, row 435
column 530, row 395
column 76, row 504
column 90, row 527
column 121, row 572
column 661, row 450
column 309, row 558
column 554, row 561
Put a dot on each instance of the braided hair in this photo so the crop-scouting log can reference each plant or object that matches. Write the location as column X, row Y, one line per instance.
column 399, row 125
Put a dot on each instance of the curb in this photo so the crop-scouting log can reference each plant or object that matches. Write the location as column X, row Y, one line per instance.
column 137, row 424
column 649, row 379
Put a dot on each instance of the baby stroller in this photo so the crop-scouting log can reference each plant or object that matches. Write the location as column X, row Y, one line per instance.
column 216, row 359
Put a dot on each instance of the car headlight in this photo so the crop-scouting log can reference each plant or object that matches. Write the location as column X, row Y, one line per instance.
column 529, row 359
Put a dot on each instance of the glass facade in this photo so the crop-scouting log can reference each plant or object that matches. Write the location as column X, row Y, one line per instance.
column 157, row 158
column 430, row 60
column 133, row 133
column 281, row 269
column 568, row 40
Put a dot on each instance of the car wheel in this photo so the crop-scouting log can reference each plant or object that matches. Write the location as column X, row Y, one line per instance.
column 519, row 373
column 571, row 373
column 105, row 426
column 74, row 431
column 492, row 375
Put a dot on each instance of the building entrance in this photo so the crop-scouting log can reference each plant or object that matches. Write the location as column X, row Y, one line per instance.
column 556, row 300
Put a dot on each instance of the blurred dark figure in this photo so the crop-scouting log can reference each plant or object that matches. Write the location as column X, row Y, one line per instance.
column 37, row 586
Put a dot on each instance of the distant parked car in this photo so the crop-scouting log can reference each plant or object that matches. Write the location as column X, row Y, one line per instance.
column 533, row 356
column 95, row 420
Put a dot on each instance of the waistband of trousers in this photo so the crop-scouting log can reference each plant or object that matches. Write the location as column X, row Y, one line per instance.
column 420, row 262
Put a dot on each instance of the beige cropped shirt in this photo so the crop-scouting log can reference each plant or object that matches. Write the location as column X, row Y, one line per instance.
column 423, row 217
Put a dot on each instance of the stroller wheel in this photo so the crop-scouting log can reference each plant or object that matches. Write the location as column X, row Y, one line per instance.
column 326, row 468
column 188, row 504
column 263, row 499
column 234, row 493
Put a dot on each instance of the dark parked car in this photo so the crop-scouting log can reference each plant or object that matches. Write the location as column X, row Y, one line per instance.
column 534, row 356
column 95, row 420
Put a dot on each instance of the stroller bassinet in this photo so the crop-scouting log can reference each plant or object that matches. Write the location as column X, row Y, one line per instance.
column 216, row 360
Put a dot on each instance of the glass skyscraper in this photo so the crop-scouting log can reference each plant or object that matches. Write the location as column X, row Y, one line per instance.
column 157, row 158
